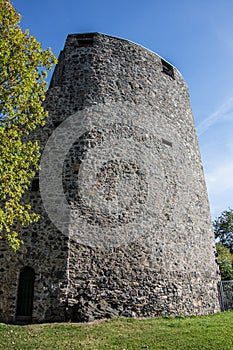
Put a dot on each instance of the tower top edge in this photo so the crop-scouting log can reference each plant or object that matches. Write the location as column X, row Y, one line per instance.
column 120, row 39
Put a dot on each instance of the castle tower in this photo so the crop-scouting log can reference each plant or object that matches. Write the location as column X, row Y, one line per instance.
column 125, row 228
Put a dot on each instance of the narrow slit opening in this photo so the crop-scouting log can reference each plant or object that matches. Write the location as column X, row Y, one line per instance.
column 85, row 40
column 167, row 69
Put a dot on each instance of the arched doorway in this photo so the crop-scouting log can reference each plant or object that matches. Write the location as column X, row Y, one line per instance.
column 25, row 295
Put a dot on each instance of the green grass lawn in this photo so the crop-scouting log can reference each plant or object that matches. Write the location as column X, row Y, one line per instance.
column 202, row 332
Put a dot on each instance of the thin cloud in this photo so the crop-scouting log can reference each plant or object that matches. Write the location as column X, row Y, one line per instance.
column 218, row 175
column 224, row 110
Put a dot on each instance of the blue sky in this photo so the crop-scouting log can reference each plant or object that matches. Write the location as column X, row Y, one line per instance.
column 194, row 35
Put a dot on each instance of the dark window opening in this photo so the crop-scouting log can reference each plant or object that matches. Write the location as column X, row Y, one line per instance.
column 85, row 40
column 167, row 69
column 35, row 184
column 25, row 295
column 168, row 143
column 56, row 123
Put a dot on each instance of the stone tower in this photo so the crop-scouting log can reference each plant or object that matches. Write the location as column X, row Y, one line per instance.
column 125, row 227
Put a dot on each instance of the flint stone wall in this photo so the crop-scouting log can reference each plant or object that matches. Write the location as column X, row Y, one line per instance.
column 138, row 238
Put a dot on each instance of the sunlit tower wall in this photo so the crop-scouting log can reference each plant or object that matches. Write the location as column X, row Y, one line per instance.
column 137, row 237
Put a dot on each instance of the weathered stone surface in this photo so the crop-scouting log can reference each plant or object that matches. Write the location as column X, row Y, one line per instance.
column 137, row 238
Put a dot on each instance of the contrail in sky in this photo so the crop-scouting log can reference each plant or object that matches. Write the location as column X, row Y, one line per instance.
column 213, row 118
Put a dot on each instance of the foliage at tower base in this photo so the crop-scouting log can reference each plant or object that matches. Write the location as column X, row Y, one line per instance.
column 225, row 262
column 23, row 65
column 223, row 229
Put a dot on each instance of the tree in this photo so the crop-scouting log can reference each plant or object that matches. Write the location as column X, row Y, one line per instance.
column 23, row 65
column 225, row 261
column 223, row 229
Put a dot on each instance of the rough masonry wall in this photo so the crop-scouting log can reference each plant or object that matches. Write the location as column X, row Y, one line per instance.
column 140, row 236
